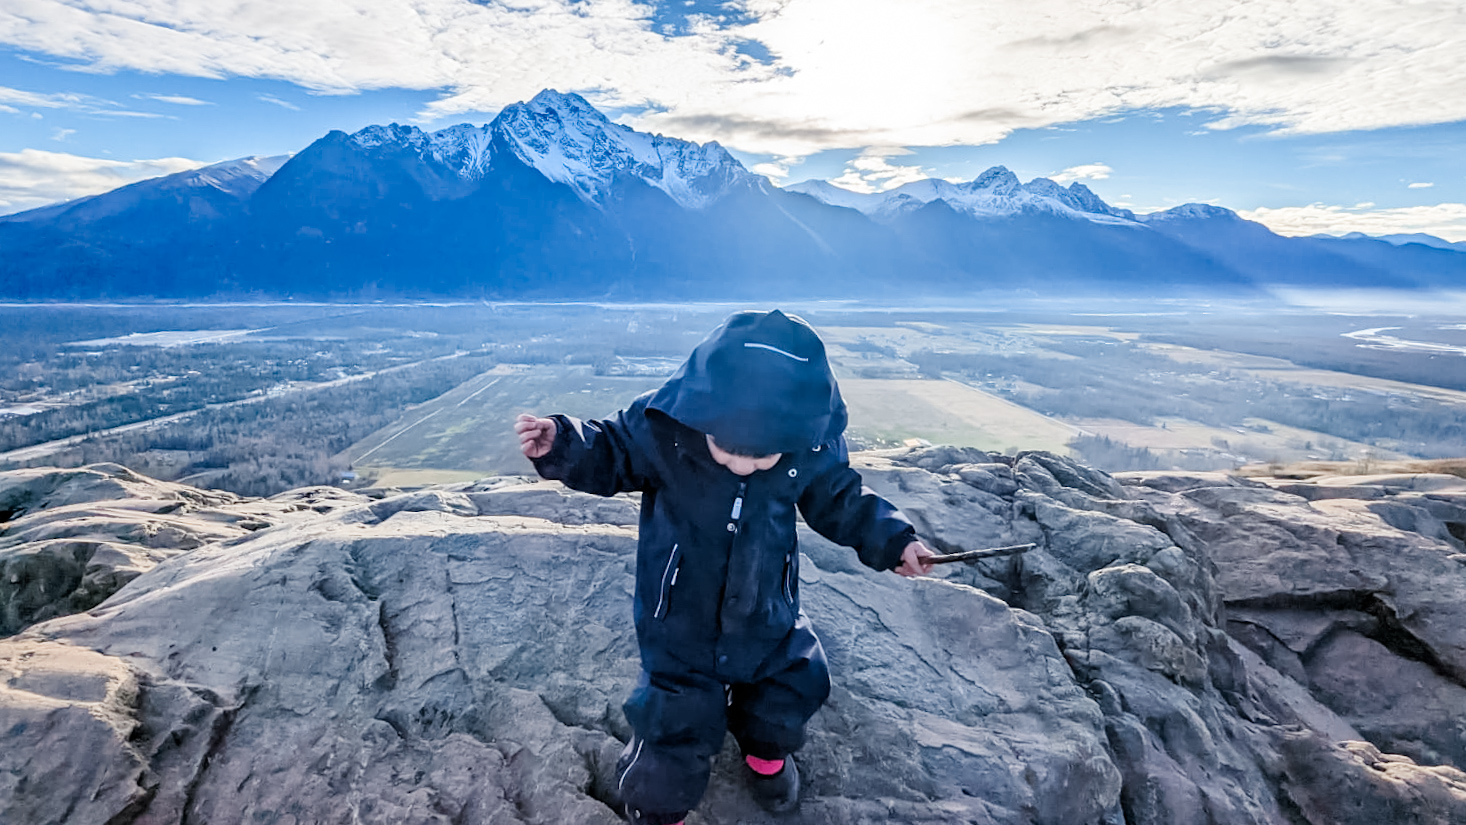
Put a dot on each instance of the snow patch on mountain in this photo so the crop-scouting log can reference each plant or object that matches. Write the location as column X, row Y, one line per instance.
column 240, row 177
column 995, row 193
column 462, row 149
column 1190, row 212
column 570, row 142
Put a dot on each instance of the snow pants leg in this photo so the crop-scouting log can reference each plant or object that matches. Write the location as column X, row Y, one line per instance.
column 767, row 716
column 679, row 720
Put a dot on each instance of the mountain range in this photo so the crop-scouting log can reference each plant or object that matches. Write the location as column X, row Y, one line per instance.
column 552, row 200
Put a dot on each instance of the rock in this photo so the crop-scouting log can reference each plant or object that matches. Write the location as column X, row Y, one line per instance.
column 554, row 502
column 434, row 666
column 942, row 458
column 72, row 538
column 68, row 715
column 1171, row 481
column 1187, row 648
column 1353, row 783
column 1402, row 705
column 1314, row 492
column 1396, row 482
column 24, row 491
column 994, row 479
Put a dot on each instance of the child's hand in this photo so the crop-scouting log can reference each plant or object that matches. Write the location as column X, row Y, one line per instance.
column 536, row 435
column 914, row 560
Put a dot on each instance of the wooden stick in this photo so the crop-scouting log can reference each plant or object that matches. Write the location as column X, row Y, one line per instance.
column 973, row 555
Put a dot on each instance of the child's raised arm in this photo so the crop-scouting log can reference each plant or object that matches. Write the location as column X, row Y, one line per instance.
column 603, row 457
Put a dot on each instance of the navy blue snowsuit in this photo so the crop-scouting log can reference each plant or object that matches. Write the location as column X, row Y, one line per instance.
column 724, row 644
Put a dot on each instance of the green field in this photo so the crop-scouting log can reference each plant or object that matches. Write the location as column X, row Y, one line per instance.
column 469, row 430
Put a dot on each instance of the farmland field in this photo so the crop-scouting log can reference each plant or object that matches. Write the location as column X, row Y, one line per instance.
column 947, row 412
column 469, row 429
column 260, row 398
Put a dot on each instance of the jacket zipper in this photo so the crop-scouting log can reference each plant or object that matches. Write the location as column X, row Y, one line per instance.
column 669, row 578
column 737, row 513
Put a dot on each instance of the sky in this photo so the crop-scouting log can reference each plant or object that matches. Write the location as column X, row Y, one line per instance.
column 1311, row 116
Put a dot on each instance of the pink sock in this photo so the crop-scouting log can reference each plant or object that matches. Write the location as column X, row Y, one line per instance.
column 764, row 767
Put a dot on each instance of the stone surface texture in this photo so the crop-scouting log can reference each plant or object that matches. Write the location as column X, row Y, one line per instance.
column 1178, row 648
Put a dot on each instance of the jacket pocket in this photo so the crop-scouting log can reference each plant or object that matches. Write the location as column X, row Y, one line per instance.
column 789, row 574
column 669, row 578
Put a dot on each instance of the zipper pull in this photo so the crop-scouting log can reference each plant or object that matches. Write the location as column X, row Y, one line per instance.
column 738, row 502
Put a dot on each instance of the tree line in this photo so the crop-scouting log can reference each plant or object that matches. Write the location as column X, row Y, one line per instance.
column 265, row 448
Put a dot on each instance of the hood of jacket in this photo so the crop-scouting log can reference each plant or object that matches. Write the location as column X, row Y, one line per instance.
column 759, row 384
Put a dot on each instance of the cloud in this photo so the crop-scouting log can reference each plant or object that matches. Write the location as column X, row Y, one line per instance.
column 177, row 100
column 793, row 77
column 62, row 134
column 769, row 170
column 16, row 100
column 1088, row 171
column 32, row 178
column 1444, row 220
column 284, row 104
column 37, row 100
column 1420, row 185
column 873, row 171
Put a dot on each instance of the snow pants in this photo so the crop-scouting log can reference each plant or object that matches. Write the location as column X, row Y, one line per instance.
column 679, row 720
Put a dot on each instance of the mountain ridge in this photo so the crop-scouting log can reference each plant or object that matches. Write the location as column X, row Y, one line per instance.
column 551, row 199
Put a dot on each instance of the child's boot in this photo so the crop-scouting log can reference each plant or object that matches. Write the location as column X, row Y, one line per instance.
column 629, row 810
column 636, row 817
column 777, row 791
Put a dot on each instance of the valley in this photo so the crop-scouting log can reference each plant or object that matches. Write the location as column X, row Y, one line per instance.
column 260, row 398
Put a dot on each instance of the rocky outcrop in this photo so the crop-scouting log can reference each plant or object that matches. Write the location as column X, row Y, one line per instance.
column 1175, row 649
column 71, row 538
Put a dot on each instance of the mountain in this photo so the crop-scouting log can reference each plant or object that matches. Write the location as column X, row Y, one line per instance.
column 1401, row 239
column 552, row 200
column 140, row 239
column 996, row 193
column 1175, row 648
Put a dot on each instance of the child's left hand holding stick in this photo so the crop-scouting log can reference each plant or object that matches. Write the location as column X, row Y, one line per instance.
column 914, row 560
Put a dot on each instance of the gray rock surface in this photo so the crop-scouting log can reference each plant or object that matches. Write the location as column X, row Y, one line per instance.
column 71, row 538
column 1176, row 649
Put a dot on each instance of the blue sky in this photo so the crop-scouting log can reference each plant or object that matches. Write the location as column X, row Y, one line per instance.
column 1308, row 116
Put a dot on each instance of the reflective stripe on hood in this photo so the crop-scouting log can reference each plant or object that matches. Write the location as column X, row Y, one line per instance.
column 759, row 384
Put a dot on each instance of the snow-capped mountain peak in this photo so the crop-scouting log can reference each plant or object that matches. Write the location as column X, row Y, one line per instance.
column 1191, row 212
column 571, row 142
column 998, row 180
column 463, row 149
column 568, row 141
column 995, row 193
column 225, row 175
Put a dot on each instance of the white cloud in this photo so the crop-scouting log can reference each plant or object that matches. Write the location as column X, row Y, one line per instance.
column 873, row 171
column 33, row 100
column 1088, row 171
column 284, row 104
column 31, row 178
column 845, row 73
column 1421, row 185
column 774, row 170
column 177, row 100
column 62, row 134
column 15, row 100
column 1444, row 220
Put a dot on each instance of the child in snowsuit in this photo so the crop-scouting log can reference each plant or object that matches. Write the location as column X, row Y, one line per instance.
column 747, row 430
